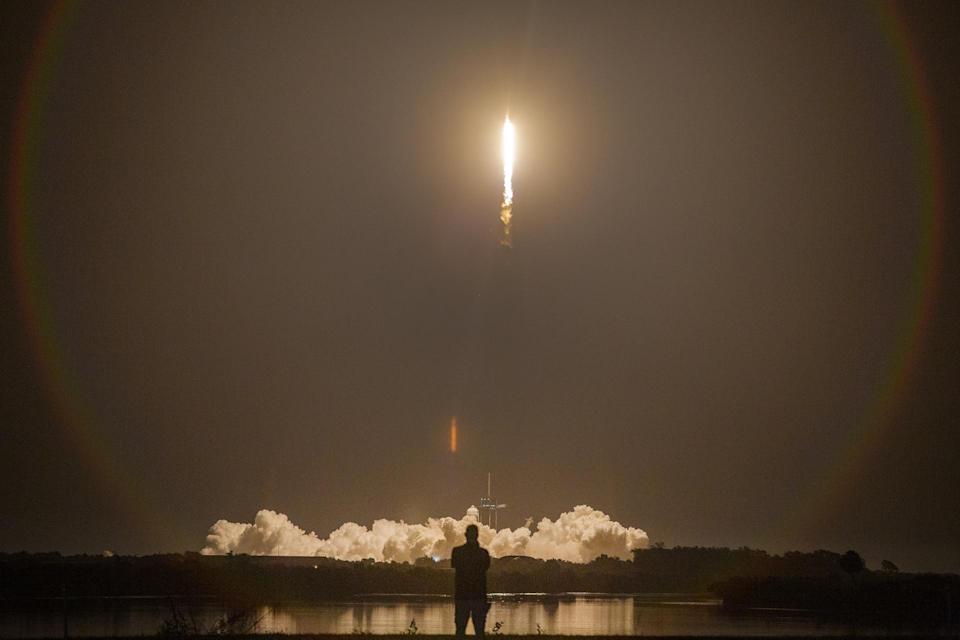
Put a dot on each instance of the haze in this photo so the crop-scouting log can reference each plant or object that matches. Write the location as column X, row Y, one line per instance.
column 268, row 246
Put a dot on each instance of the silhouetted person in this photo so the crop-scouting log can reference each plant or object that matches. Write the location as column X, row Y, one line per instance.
column 470, row 588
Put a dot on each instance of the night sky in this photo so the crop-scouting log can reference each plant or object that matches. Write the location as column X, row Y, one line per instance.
column 267, row 271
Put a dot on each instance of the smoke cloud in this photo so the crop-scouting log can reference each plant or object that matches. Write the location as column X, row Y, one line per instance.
column 580, row 535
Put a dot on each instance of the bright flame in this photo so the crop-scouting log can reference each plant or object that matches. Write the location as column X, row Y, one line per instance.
column 508, row 149
column 453, row 434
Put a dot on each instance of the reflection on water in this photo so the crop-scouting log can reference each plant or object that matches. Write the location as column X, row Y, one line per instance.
column 520, row 614
column 571, row 615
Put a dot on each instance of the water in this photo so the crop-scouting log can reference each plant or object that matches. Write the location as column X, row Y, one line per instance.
column 587, row 614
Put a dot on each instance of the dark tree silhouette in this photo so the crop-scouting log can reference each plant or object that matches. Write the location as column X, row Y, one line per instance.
column 888, row 567
column 851, row 562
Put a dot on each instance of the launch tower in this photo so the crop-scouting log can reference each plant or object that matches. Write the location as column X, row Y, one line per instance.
column 489, row 506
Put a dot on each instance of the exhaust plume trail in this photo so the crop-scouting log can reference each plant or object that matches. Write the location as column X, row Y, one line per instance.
column 508, row 147
column 580, row 535
column 453, row 434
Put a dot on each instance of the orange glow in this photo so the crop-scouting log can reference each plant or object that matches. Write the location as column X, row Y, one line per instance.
column 453, row 434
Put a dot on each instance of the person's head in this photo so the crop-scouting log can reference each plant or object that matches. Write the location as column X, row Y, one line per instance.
column 472, row 533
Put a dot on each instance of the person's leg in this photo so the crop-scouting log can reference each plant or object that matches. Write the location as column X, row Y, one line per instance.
column 461, row 612
column 478, row 611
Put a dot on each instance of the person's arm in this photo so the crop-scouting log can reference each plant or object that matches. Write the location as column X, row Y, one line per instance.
column 486, row 560
column 453, row 559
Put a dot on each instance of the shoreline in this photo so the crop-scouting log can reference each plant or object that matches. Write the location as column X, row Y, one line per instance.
column 399, row 636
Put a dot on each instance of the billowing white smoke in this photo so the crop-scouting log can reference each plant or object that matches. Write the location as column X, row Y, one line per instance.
column 580, row 535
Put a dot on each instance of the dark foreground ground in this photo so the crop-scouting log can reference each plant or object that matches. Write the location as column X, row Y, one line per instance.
column 330, row 636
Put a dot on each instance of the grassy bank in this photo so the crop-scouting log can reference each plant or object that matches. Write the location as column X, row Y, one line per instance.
column 331, row 636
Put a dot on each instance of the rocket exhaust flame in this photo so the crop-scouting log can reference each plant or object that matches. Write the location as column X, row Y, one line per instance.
column 453, row 434
column 508, row 146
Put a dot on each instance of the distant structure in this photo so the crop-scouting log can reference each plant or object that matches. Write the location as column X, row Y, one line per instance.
column 489, row 506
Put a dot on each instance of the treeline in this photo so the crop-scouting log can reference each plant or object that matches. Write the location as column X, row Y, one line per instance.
column 241, row 578
column 275, row 579
column 700, row 568
column 926, row 599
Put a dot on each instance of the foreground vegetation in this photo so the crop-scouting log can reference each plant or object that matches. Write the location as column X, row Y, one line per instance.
column 323, row 636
